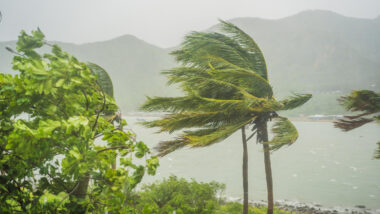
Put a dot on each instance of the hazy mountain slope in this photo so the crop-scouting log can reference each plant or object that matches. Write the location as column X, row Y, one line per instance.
column 314, row 51
column 318, row 51
column 133, row 65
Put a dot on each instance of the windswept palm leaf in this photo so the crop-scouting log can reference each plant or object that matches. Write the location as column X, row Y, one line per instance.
column 199, row 45
column 366, row 102
column 285, row 133
column 193, row 102
column 200, row 138
column 104, row 79
column 249, row 44
column 174, row 122
column 295, row 101
column 377, row 152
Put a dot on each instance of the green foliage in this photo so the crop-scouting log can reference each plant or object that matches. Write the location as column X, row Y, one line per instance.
column 179, row 195
column 225, row 80
column 285, row 133
column 377, row 153
column 295, row 101
column 367, row 103
column 104, row 79
column 56, row 144
column 189, row 197
column 364, row 100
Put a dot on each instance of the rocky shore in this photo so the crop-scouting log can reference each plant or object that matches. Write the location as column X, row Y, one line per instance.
column 298, row 207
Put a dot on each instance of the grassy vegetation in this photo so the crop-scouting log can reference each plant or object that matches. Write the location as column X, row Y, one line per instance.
column 181, row 196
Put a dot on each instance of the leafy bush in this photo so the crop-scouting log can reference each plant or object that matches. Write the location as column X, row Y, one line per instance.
column 177, row 195
column 181, row 196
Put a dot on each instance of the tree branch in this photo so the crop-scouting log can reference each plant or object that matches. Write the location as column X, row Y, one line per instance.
column 113, row 148
column 85, row 96
column 68, row 194
column 98, row 115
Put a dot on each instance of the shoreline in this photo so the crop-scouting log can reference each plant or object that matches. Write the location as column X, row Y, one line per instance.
column 314, row 208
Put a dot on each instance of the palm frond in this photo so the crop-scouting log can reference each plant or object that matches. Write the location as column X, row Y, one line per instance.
column 165, row 147
column 199, row 138
column 349, row 124
column 104, row 79
column 193, row 102
column 199, row 45
column 181, row 74
column 377, row 152
column 362, row 100
column 178, row 121
column 249, row 44
column 365, row 101
column 285, row 133
column 295, row 101
column 250, row 81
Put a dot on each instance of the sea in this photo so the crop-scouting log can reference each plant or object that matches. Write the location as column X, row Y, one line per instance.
column 325, row 166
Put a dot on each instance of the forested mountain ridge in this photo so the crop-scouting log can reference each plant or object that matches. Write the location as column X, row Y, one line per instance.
column 317, row 52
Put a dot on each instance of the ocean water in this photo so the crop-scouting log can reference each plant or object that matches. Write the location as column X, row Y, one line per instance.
column 324, row 166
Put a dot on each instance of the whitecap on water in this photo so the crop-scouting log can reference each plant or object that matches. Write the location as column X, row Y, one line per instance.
column 294, row 175
column 332, row 180
column 355, row 187
column 323, row 166
column 353, row 168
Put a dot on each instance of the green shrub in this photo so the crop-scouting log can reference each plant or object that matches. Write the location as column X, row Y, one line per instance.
column 181, row 196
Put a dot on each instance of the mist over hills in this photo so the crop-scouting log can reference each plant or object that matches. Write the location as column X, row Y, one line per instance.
column 317, row 52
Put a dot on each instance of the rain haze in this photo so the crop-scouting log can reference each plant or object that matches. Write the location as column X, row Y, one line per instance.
column 289, row 86
column 159, row 22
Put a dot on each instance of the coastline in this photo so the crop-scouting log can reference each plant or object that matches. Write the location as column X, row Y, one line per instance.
column 314, row 208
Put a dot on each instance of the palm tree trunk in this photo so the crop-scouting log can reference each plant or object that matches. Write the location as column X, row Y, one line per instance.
column 245, row 171
column 262, row 135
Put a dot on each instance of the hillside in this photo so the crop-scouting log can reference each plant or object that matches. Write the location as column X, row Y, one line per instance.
column 318, row 52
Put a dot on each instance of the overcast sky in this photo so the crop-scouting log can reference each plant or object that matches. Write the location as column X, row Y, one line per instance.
column 159, row 22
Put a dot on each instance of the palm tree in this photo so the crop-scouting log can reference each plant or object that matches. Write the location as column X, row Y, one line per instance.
column 225, row 82
column 368, row 104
